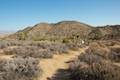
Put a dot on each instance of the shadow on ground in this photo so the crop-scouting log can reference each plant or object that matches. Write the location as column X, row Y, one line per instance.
column 61, row 74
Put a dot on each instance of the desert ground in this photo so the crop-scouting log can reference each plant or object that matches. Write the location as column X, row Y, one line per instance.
column 67, row 50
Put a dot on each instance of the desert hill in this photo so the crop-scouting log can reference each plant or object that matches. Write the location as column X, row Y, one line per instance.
column 105, row 32
column 66, row 30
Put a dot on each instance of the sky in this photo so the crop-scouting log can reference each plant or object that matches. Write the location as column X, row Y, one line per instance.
column 18, row 14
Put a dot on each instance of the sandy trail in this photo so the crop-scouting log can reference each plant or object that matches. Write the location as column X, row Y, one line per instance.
column 6, row 57
column 50, row 66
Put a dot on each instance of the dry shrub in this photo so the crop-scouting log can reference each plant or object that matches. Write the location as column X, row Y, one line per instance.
column 99, row 50
column 96, row 71
column 95, row 63
column 110, row 42
column 89, row 67
column 19, row 68
column 73, row 46
column 107, row 52
column 43, row 54
column 59, row 48
column 90, row 58
column 52, row 46
column 115, row 53
column 93, row 67
column 3, row 45
column 31, row 51
column 8, row 51
column 40, row 50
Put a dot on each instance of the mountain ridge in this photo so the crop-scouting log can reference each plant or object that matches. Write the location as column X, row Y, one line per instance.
column 66, row 29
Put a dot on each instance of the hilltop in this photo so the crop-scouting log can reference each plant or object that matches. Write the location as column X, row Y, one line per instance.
column 67, row 50
column 66, row 31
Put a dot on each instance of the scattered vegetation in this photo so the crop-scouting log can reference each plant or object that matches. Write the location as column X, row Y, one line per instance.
column 95, row 34
column 115, row 53
column 20, row 68
column 97, row 63
column 45, row 40
column 31, row 51
column 37, row 50
column 111, row 52
column 94, row 70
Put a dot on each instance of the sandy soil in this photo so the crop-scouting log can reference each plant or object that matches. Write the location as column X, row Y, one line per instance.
column 50, row 66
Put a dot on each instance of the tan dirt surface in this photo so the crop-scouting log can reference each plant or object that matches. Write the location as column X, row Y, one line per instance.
column 50, row 66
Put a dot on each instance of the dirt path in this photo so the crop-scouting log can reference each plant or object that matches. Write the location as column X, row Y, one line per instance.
column 50, row 66
column 6, row 57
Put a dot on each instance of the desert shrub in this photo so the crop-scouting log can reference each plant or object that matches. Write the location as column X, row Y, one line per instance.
column 95, row 34
column 93, row 67
column 99, row 50
column 89, row 67
column 31, row 51
column 52, row 46
column 115, row 53
column 16, row 43
column 37, row 49
column 90, row 58
column 22, row 36
column 96, row 71
column 110, row 42
column 107, row 52
column 59, row 47
column 19, row 68
column 4, row 44
column 43, row 54
column 73, row 46
column 8, row 51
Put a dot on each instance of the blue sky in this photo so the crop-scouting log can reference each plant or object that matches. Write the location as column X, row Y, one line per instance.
column 18, row 14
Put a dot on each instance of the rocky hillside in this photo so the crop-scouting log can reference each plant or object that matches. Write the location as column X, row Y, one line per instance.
column 105, row 32
column 66, row 31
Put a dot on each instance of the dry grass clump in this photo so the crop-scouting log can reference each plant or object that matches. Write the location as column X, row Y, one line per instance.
column 19, row 68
